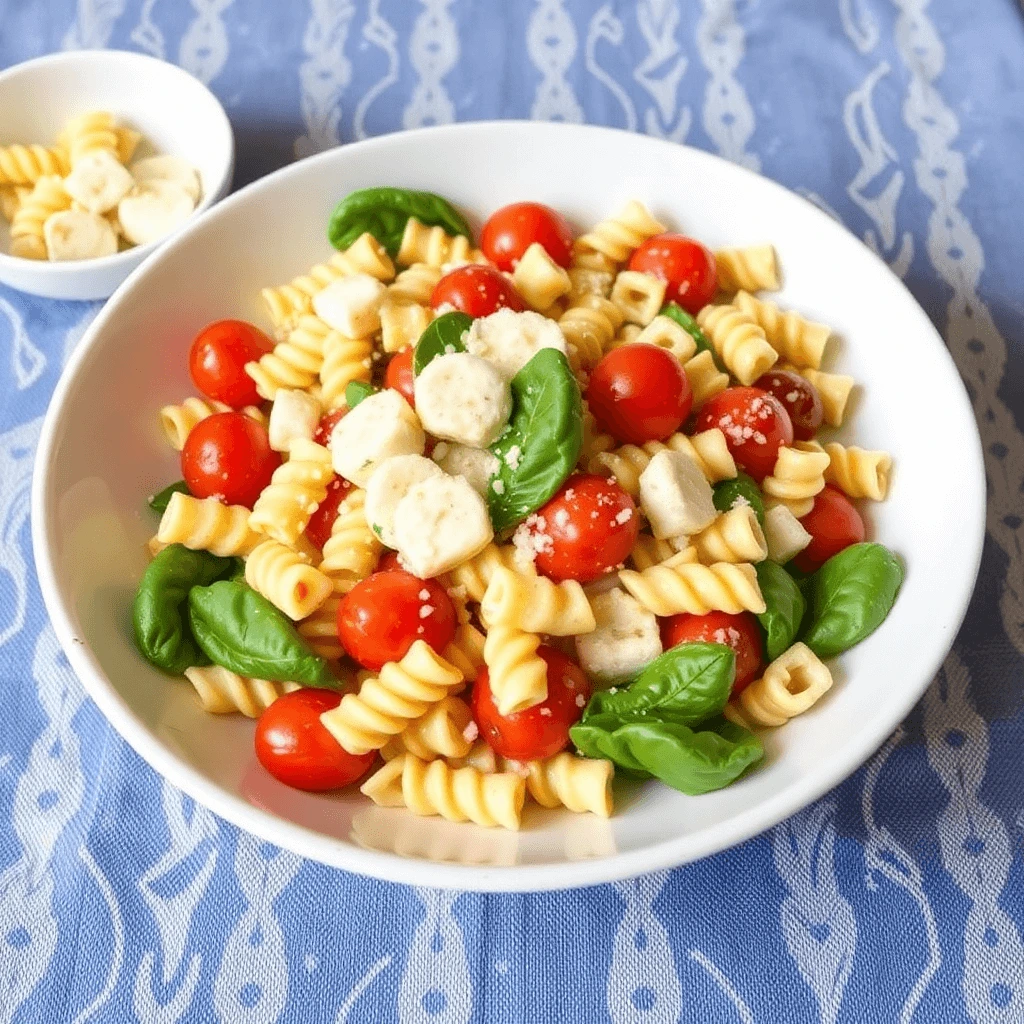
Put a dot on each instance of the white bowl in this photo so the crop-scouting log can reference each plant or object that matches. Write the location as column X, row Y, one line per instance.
column 175, row 112
column 102, row 452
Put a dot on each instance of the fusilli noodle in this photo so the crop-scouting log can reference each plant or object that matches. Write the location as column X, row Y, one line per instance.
column 579, row 783
column 295, row 362
column 650, row 551
column 834, row 389
column 518, row 675
column 682, row 585
column 441, row 732
column 858, row 473
column 589, row 328
column 46, row 198
column 295, row 490
column 796, row 340
column 204, row 524
column 739, row 342
column 178, row 420
column 25, row 165
column 799, row 475
column 286, row 580
column 474, row 576
column 616, row 237
column 735, row 536
column 345, row 360
column 539, row 279
column 352, row 550
column 791, row 684
column 435, row 247
column 536, row 604
column 222, row 692
column 638, row 296
column 706, row 380
column 466, row 651
column 752, row 269
column 90, row 132
column 664, row 332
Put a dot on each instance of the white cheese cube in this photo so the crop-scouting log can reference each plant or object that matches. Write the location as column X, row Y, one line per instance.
column 439, row 524
column 351, row 305
column 626, row 639
column 98, row 181
column 389, row 484
column 294, row 414
column 784, row 533
column 463, row 398
column 676, row 497
column 510, row 340
column 378, row 428
column 477, row 465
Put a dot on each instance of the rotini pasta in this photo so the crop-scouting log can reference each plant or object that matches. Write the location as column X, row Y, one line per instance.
column 706, row 380
column 178, row 420
column 402, row 324
column 25, row 165
column 799, row 475
column 638, row 296
column 797, row 340
column 474, row 576
column 683, row 585
column 441, row 732
column 650, row 551
column 320, row 630
column 858, row 473
column 791, row 684
column 584, row 281
column 204, row 524
column 539, row 279
column 352, row 550
column 579, row 783
column 594, row 442
column 518, row 675
column 664, row 332
column 466, row 651
column 294, row 492
column 616, row 237
column 835, row 390
column 589, row 330
column 735, row 536
column 11, row 198
column 90, row 132
column 435, row 247
column 46, row 198
column 286, row 580
column 739, row 342
column 753, row 269
column 295, row 362
column 222, row 692
column 345, row 360
column 536, row 604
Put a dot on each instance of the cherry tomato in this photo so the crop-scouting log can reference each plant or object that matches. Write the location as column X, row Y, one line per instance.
column 586, row 530
column 322, row 520
column 399, row 376
column 639, row 393
column 740, row 632
column 833, row 523
column 540, row 731
column 687, row 267
column 755, row 424
column 297, row 750
column 381, row 617
column 228, row 456
column 326, row 426
column 389, row 561
column 218, row 357
column 476, row 290
column 510, row 231
column 799, row 398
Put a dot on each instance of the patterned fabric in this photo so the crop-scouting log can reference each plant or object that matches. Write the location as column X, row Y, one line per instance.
column 900, row 896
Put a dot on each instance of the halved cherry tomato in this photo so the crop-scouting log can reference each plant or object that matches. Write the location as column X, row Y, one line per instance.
column 755, row 424
column 381, row 617
column 326, row 426
column 322, row 520
column 799, row 398
column 217, row 361
column 510, row 231
column 833, row 523
column 476, row 290
column 740, row 632
column 399, row 376
column 228, row 456
column 297, row 750
column 586, row 530
column 639, row 393
column 540, row 731
column 687, row 267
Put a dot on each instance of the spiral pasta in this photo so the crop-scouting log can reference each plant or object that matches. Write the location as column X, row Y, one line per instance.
column 579, row 783
column 539, row 279
column 587, row 281
column 683, row 585
column 345, row 360
column 434, row 246
column 752, row 269
column 536, row 604
column 351, row 552
column 320, row 630
column 665, row 333
column 797, row 340
column 517, row 674
column 638, row 296
column 474, row 576
column 739, row 342
column 178, row 420
column 25, row 165
column 46, row 198
column 402, row 324
column 295, row 490
column 858, row 473
column 460, row 794
column 594, row 442
column 441, row 732
column 295, row 362
column 589, row 328
column 835, row 390
column 616, row 237
column 466, row 651
column 706, row 380
column 286, row 580
column 204, row 524
column 222, row 692
column 388, row 702
column 11, row 198
column 735, row 536
column 90, row 132
column 791, row 684
column 799, row 475
column 650, row 551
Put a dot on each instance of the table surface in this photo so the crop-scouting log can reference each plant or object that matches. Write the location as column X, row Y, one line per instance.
column 899, row 896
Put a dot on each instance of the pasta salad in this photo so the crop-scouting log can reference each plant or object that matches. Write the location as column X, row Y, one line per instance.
column 476, row 524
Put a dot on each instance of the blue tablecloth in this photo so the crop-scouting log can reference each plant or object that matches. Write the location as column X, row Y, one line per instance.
column 898, row 897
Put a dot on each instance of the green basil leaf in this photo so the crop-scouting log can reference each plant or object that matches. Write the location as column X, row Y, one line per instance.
column 384, row 211
column 742, row 490
column 691, row 682
column 162, row 631
column 242, row 631
column 159, row 502
column 784, row 608
column 356, row 391
column 676, row 312
column 444, row 335
column 694, row 761
column 851, row 594
column 546, row 428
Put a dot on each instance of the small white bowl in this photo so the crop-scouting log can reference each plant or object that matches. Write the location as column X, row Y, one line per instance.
column 175, row 113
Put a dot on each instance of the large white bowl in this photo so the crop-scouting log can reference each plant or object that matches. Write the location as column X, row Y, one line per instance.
column 175, row 112
column 102, row 452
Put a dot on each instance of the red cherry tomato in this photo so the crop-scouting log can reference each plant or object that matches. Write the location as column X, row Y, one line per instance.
column 833, row 524
column 540, row 731
column 510, row 231
column 639, row 393
column 686, row 266
column 755, row 425
column 218, row 357
column 586, row 530
column 389, row 561
column 799, row 398
column 326, row 426
column 228, row 456
column 380, row 618
column 322, row 520
column 740, row 632
column 399, row 376
column 297, row 750
column 476, row 290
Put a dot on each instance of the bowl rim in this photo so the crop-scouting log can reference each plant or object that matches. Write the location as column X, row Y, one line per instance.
column 392, row 867
column 64, row 269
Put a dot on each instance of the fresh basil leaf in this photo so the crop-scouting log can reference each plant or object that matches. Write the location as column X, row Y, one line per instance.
column 694, row 761
column 676, row 312
column 162, row 631
column 784, row 608
column 691, row 682
column 851, row 594
column 444, row 335
column 743, row 490
column 160, row 501
column 384, row 211
column 242, row 631
column 546, row 431
column 356, row 391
